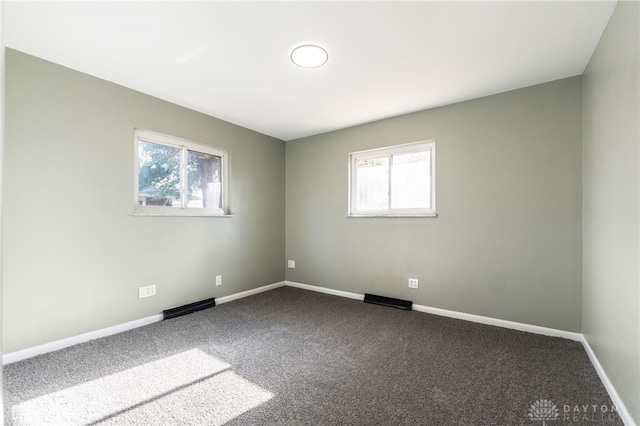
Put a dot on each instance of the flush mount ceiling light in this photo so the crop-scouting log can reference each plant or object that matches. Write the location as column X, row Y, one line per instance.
column 309, row 56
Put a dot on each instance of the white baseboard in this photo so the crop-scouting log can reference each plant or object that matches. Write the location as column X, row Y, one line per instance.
column 74, row 340
column 225, row 299
column 70, row 341
column 536, row 329
column 324, row 290
column 615, row 398
column 454, row 314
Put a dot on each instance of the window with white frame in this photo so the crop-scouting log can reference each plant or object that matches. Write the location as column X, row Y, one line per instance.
column 176, row 177
column 393, row 181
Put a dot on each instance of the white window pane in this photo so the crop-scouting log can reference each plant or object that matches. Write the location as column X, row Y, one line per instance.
column 204, row 180
column 393, row 181
column 373, row 183
column 158, row 175
column 411, row 181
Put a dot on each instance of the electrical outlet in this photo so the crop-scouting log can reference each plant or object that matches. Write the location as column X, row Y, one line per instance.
column 413, row 283
column 146, row 291
column 218, row 279
column 291, row 264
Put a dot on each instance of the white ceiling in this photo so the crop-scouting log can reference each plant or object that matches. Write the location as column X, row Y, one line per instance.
column 231, row 59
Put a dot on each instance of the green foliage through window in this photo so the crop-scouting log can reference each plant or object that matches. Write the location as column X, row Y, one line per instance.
column 178, row 176
column 159, row 174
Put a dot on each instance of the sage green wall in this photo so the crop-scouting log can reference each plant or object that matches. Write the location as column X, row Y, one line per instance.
column 611, row 187
column 74, row 256
column 1, row 175
column 506, row 242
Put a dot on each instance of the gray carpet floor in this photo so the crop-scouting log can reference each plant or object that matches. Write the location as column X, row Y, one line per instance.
column 295, row 357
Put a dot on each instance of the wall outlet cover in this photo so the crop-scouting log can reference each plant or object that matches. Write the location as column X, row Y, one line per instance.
column 146, row 291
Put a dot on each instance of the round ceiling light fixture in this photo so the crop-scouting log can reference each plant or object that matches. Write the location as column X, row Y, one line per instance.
column 309, row 56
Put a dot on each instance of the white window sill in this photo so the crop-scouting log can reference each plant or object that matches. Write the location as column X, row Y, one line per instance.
column 186, row 214
column 431, row 215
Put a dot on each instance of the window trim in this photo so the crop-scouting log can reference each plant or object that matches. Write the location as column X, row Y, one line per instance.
column 184, row 145
column 425, row 145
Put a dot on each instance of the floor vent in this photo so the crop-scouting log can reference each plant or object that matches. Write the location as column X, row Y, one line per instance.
column 388, row 301
column 187, row 309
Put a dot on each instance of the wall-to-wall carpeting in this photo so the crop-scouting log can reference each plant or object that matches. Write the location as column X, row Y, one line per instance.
column 291, row 356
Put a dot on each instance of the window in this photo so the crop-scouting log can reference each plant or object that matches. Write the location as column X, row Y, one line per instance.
column 175, row 177
column 393, row 181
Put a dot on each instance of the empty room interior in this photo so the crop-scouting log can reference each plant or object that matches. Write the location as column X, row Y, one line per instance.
column 434, row 221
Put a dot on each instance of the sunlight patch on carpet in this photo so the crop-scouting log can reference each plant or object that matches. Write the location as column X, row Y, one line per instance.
column 189, row 386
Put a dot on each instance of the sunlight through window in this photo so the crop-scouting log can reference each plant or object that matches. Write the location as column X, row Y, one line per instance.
column 188, row 385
